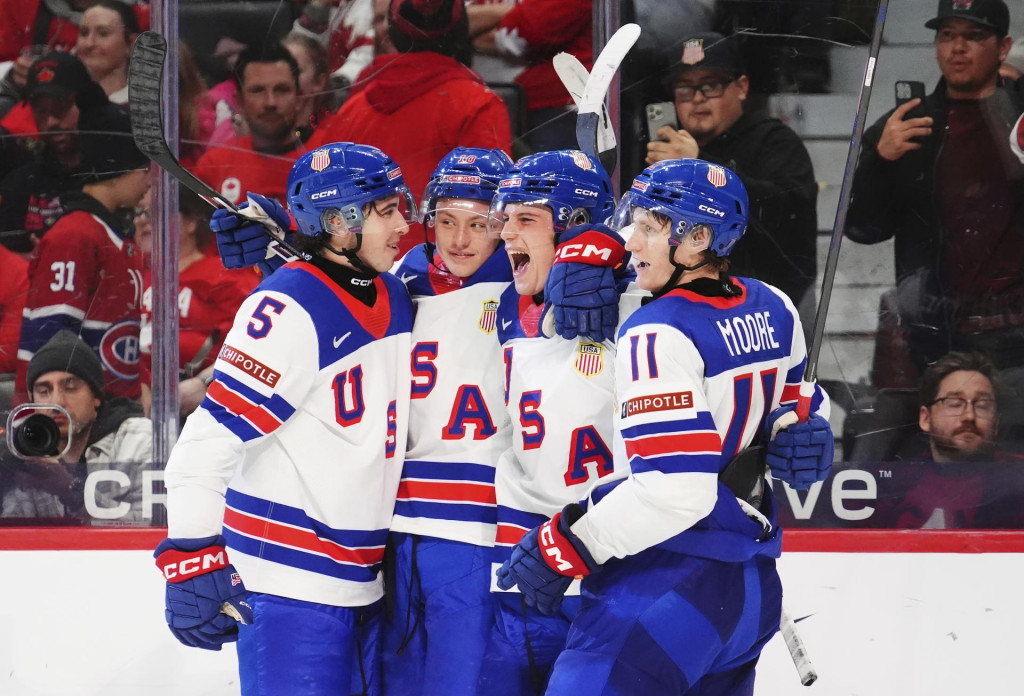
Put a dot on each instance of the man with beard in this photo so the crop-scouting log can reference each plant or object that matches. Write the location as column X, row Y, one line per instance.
column 269, row 97
column 956, row 475
column 64, row 101
column 938, row 177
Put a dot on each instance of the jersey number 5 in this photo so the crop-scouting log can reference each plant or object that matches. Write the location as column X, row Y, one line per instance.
column 260, row 325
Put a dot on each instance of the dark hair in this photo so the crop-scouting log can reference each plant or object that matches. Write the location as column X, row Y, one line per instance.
column 128, row 17
column 192, row 206
column 955, row 362
column 316, row 50
column 271, row 53
column 454, row 43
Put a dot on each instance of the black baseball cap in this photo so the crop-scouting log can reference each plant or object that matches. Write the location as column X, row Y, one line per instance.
column 988, row 13
column 56, row 74
column 709, row 51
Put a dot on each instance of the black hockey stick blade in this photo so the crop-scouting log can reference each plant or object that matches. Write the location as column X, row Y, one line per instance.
column 145, row 75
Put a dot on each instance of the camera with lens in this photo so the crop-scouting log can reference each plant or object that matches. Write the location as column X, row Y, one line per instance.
column 33, row 430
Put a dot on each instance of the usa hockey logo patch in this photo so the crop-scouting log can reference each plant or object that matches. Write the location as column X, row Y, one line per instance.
column 716, row 175
column 693, row 52
column 582, row 161
column 488, row 317
column 321, row 160
column 590, row 359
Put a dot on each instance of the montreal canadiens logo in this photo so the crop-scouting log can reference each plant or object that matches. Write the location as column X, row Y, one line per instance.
column 119, row 349
column 321, row 160
column 716, row 175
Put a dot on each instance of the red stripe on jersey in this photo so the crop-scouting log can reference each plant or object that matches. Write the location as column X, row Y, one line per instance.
column 374, row 319
column 303, row 539
column 448, row 492
column 790, row 393
column 261, row 418
column 669, row 444
column 509, row 534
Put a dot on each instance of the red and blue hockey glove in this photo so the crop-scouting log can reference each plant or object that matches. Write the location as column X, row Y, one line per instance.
column 798, row 453
column 583, row 287
column 205, row 596
column 545, row 561
column 242, row 241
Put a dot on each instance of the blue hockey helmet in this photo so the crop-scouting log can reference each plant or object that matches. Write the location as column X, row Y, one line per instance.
column 572, row 184
column 690, row 192
column 333, row 183
column 465, row 173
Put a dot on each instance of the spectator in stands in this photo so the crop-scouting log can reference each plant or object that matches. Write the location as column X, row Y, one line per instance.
column 493, row 68
column 345, row 29
column 13, row 293
column 64, row 100
column 208, row 297
column 314, row 80
column 533, row 31
column 197, row 109
column 424, row 101
column 104, row 43
column 939, row 178
column 25, row 23
column 709, row 86
column 86, row 273
column 963, row 475
column 268, row 93
column 100, row 477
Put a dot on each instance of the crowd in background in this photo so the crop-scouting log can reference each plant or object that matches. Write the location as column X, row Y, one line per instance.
column 419, row 78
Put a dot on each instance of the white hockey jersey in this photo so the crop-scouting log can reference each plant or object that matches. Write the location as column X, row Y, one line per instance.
column 560, row 401
column 695, row 379
column 296, row 452
column 457, row 421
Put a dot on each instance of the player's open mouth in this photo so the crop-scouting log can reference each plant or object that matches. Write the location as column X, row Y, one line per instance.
column 520, row 261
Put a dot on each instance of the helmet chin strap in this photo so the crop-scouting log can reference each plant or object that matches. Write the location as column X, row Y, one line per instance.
column 677, row 273
column 352, row 256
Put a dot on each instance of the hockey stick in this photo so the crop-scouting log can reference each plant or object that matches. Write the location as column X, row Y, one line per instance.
column 145, row 74
column 574, row 76
column 590, row 106
column 803, row 405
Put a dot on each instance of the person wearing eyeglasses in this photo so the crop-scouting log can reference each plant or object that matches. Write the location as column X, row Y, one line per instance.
column 709, row 86
column 961, row 472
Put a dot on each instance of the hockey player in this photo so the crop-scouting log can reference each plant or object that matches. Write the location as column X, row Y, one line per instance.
column 445, row 515
column 558, row 391
column 291, row 465
column 679, row 580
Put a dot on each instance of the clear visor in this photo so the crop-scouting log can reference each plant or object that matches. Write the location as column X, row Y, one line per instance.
column 459, row 213
column 396, row 210
column 639, row 215
column 520, row 212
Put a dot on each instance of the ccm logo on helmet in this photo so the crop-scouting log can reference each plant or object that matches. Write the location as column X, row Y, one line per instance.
column 706, row 209
column 323, row 194
column 585, row 192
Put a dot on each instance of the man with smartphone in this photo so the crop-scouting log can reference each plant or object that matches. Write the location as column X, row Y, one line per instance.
column 709, row 86
column 937, row 175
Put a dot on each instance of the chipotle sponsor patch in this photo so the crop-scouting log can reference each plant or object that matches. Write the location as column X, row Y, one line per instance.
column 657, row 402
column 249, row 365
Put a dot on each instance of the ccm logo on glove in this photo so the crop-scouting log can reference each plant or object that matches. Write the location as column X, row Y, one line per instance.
column 592, row 248
column 561, row 555
column 178, row 566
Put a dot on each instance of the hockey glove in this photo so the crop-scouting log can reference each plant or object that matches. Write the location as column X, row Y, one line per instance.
column 205, row 596
column 243, row 242
column 583, row 287
column 799, row 454
column 545, row 561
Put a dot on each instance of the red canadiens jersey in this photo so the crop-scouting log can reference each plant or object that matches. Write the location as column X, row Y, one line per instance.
column 86, row 278
column 208, row 297
column 13, row 291
column 235, row 168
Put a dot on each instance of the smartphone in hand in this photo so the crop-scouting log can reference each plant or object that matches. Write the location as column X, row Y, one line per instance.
column 658, row 115
column 907, row 90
